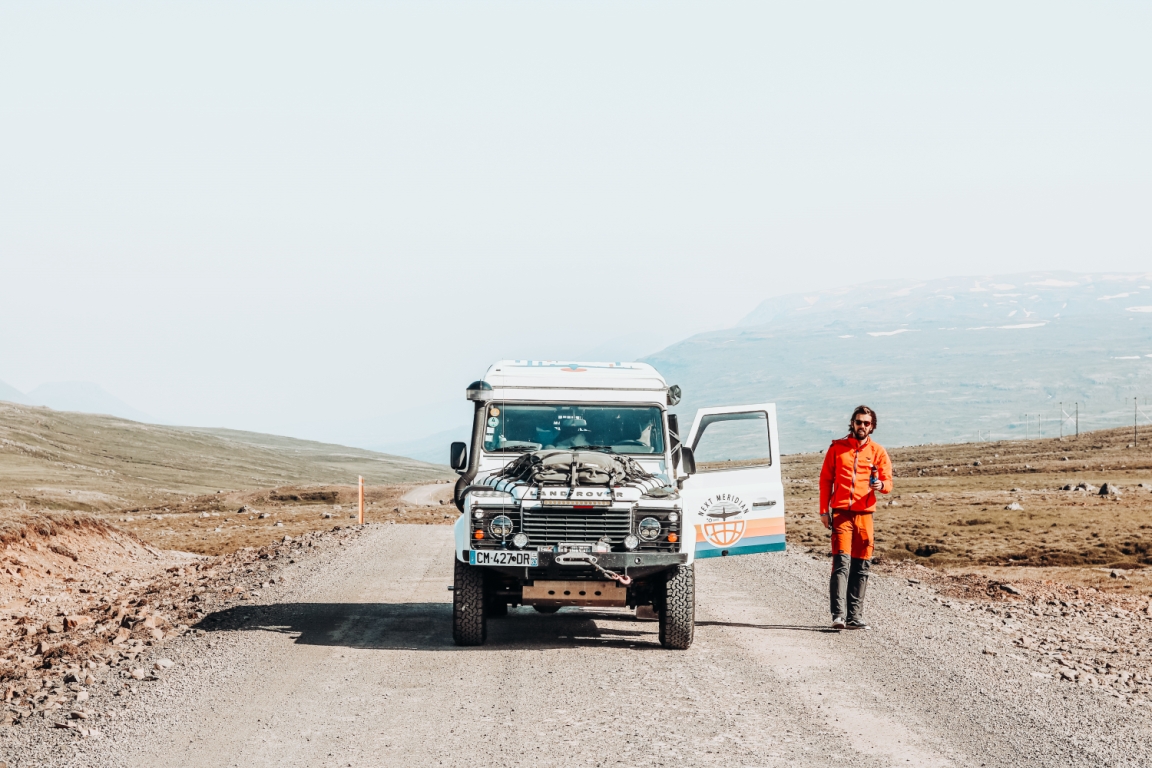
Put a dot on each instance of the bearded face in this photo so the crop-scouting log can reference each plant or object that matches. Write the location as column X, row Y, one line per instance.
column 861, row 426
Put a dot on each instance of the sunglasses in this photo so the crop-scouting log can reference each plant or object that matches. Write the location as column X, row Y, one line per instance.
column 860, row 423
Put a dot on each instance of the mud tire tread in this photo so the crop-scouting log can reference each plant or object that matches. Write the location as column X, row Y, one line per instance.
column 469, row 624
column 677, row 614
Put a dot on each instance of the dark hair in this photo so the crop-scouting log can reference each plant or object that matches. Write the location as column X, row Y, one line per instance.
column 863, row 409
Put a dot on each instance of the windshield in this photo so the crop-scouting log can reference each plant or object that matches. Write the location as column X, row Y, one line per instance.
column 622, row 429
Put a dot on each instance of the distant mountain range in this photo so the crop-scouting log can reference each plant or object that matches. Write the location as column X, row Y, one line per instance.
column 948, row 360
column 77, row 396
column 941, row 361
column 432, row 449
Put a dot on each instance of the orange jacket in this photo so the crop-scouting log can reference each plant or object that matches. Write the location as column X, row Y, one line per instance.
column 844, row 476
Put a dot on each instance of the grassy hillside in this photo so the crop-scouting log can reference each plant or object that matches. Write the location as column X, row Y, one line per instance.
column 61, row 460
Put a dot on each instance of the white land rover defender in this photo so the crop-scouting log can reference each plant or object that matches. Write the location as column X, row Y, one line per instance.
column 577, row 490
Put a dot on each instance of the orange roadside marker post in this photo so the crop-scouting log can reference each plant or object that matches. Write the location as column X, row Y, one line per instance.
column 361, row 500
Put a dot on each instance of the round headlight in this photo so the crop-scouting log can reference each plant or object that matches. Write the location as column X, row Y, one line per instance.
column 631, row 542
column 520, row 540
column 501, row 526
column 673, row 517
column 649, row 529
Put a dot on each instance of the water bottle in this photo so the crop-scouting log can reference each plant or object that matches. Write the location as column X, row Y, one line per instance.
column 872, row 477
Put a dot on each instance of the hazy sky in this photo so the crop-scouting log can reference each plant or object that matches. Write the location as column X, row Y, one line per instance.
column 291, row 216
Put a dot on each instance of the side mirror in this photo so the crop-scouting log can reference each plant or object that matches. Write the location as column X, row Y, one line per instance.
column 458, row 459
column 687, row 460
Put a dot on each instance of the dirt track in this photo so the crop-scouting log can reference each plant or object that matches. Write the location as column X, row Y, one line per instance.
column 355, row 666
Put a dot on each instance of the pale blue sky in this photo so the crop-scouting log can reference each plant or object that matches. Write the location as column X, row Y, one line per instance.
column 288, row 216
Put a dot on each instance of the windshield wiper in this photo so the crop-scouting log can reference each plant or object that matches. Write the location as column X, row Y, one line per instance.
column 517, row 445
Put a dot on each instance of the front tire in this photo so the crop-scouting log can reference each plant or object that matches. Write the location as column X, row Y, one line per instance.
column 677, row 614
column 469, row 625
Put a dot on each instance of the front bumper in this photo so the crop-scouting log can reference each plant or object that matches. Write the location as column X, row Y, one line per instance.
column 634, row 564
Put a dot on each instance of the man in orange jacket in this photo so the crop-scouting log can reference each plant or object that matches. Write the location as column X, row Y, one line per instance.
column 855, row 468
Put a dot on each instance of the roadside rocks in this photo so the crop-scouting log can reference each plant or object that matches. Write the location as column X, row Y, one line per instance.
column 1015, row 507
column 155, row 621
column 77, row 621
column 1075, row 635
column 107, row 633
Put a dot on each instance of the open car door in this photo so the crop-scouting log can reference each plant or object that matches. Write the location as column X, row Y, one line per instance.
column 735, row 501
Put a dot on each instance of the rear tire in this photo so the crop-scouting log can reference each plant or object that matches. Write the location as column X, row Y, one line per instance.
column 677, row 613
column 546, row 608
column 469, row 625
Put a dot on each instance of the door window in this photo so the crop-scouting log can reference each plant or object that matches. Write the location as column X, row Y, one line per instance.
column 732, row 440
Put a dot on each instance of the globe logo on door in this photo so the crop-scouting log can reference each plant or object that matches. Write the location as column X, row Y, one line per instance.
column 724, row 522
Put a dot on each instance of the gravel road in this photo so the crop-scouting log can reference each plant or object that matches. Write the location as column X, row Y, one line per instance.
column 352, row 664
column 428, row 495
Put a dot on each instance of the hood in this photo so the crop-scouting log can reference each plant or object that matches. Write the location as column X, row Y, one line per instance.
column 582, row 473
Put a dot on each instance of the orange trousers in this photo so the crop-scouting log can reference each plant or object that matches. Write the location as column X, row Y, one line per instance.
column 852, row 534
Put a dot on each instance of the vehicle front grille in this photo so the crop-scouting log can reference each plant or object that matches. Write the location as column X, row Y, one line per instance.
column 554, row 525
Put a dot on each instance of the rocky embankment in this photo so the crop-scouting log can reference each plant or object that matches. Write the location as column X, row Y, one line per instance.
column 88, row 609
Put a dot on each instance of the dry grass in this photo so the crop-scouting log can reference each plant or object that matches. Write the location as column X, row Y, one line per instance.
column 54, row 460
column 951, row 514
column 159, row 482
column 217, row 524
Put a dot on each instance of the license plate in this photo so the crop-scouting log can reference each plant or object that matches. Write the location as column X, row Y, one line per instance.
column 503, row 557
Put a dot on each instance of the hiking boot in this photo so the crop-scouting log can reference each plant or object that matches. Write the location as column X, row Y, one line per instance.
column 858, row 624
column 837, row 622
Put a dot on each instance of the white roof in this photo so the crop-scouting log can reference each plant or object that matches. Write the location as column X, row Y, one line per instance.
column 516, row 379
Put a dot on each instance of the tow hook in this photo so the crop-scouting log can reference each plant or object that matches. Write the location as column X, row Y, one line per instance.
column 578, row 558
